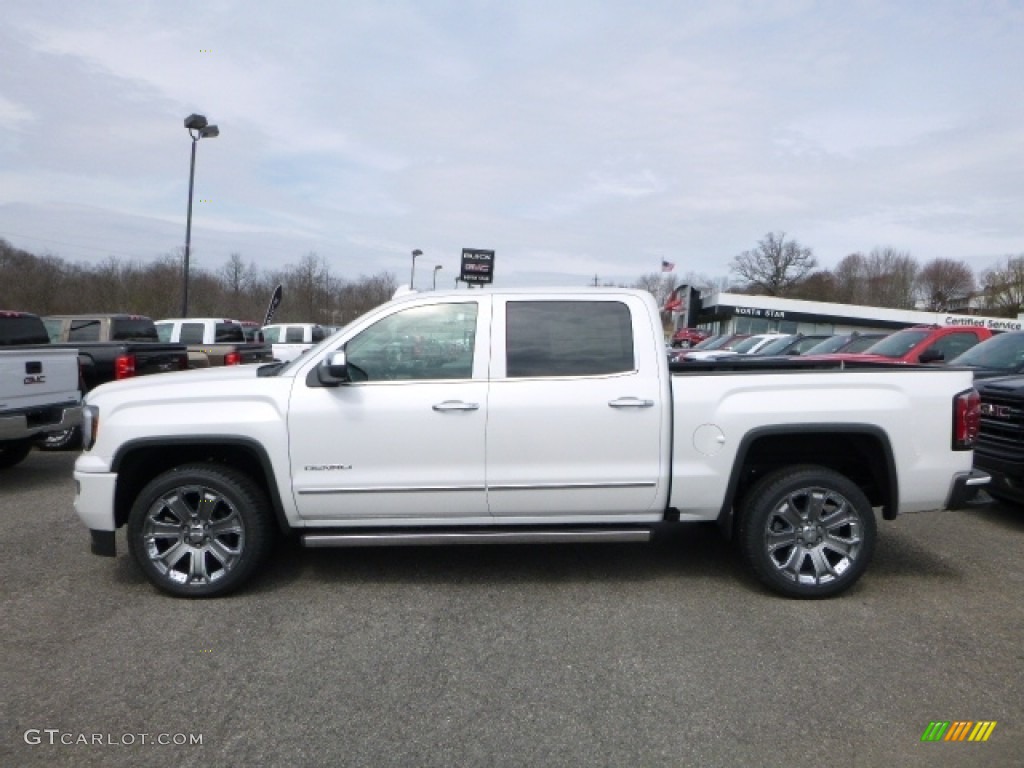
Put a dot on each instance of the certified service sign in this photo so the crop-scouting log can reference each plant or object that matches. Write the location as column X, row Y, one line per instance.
column 477, row 266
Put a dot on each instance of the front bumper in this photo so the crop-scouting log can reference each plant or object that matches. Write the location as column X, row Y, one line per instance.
column 965, row 489
column 94, row 503
column 1007, row 480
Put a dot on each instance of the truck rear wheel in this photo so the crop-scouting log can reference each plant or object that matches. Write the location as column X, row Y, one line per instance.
column 200, row 530
column 807, row 531
column 14, row 453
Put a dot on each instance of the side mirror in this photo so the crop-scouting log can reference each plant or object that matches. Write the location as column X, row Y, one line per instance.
column 931, row 356
column 334, row 370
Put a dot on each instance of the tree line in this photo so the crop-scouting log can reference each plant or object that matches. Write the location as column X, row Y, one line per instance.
column 776, row 266
column 885, row 277
column 50, row 285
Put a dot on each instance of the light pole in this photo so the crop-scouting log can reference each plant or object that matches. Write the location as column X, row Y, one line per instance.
column 435, row 275
column 197, row 129
column 412, row 275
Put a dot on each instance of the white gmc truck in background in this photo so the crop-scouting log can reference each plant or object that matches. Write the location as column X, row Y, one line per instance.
column 519, row 416
column 39, row 395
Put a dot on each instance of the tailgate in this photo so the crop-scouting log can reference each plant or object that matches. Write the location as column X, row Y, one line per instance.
column 159, row 358
column 38, row 377
column 255, row 353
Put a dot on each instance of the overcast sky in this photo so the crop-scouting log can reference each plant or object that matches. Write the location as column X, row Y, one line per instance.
column 573, row 138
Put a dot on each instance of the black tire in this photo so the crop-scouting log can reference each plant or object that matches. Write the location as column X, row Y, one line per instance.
column 807, row 531
column 67, row 440
column 14, row 453
column 200, row 530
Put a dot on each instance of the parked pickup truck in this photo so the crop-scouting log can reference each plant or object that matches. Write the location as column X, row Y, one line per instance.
column 213, row 341
column 115, row 346
column 289, row 340
column 38, row 386
column 106, row 347
column 1000, row 449
column 520, row 416
column 110, row 347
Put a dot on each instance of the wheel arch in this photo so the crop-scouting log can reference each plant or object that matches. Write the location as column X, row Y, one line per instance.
column 861, row 452
column 137, row 462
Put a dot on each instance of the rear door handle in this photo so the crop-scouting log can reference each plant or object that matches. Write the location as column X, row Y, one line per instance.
column 631, row 402
column 456, row 405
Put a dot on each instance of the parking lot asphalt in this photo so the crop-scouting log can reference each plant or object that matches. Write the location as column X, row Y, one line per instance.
column 664, row 654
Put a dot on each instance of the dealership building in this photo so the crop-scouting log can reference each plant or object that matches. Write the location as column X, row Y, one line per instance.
column 721, row 312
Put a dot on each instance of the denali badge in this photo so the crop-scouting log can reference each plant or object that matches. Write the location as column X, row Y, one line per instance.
column 38, row 379
column 326, row 467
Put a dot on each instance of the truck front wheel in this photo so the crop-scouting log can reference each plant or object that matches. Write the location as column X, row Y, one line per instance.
column 807, row 531
column 200, row 530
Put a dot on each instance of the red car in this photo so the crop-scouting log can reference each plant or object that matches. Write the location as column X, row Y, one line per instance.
column 689, row 337
column 921, row 344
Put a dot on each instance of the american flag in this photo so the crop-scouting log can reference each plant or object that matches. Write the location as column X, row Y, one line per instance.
column 667, row 266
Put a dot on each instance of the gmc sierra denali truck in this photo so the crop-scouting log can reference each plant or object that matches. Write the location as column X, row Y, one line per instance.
column 519, row 416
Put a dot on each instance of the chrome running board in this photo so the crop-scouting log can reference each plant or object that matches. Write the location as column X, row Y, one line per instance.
column 428, row 538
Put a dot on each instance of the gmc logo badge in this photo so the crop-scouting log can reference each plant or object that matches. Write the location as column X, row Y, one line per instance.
column 997, row 411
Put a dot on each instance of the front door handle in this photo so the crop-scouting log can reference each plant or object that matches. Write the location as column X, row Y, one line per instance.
column 456, row 405
column 631, row 402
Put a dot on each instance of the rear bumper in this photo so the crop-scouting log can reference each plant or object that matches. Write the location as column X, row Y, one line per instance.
column 965, row 489
column 18, row 426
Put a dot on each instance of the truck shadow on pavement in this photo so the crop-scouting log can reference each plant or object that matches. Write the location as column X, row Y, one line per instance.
column 699, row 552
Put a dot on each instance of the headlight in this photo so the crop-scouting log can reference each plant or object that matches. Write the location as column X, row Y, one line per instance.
column 90, row 426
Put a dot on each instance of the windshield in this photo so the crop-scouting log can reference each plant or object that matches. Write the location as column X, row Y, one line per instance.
column 898, row 344
column 776, row 347
column 860, row 343
column 1004, row 352
column 748, row 344
column 714, row 342
column 828, row 345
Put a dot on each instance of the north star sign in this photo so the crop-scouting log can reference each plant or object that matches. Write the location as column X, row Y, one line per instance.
column 775, row 314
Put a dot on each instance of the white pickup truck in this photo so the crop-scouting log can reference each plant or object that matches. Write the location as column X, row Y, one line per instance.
column 519, row 416
column 38, row 395
column 289, row 340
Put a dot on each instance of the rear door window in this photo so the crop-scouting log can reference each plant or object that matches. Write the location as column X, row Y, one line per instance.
column 228, row 333
column 191, row 333
column 567, row 338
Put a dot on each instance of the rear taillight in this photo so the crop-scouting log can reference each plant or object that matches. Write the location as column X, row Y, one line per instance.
column 232, row 358
column 966, row 419
column 124, row 366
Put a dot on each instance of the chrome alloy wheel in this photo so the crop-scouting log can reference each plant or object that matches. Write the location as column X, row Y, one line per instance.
column 813, row 535
column 193, row 535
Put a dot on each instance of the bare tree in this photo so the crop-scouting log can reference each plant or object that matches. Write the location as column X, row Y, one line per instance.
column 891, row 276
column 850, row 279
column 884, row 278
column 817, row 286
column 1004, row 287
column 657, row 284
column 943, row 281
column 775, row 265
